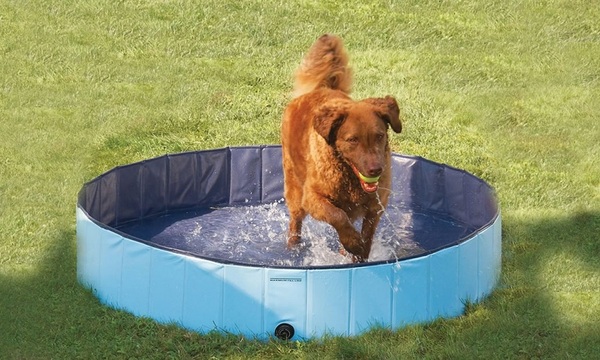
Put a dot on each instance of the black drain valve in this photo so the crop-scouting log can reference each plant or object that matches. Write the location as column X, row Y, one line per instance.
column 284, row 331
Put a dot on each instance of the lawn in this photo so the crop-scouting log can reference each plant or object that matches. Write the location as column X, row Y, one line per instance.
column 508, row 90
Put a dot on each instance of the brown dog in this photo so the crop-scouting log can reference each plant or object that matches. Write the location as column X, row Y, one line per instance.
column 336, row 156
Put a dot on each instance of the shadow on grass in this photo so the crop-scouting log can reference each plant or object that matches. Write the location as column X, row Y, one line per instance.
column 545, row 307
column 46, row 313
column 50, row 315
column 548, row 298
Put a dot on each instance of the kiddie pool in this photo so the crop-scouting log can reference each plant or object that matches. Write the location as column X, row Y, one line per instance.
column 198, row 239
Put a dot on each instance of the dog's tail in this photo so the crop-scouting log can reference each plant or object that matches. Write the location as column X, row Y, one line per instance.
column 325, row 65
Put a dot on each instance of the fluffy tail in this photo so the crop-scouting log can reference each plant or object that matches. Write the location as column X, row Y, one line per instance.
column 325, row 65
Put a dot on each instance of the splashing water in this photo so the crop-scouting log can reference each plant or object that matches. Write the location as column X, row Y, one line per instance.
column 257, row 235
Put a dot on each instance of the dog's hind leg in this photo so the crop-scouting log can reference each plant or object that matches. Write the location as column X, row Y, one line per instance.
column 293, row 198
column 295, row 229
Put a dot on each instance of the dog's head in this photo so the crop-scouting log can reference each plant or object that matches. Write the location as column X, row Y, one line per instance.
column 358, row 131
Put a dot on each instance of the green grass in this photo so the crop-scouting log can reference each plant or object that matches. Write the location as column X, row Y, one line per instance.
column 509, row 90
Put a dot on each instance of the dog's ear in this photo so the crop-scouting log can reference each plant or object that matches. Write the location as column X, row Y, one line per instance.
column 387, row 109
column 329, row 118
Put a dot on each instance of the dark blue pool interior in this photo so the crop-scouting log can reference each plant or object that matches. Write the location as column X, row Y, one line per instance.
column 227, row 205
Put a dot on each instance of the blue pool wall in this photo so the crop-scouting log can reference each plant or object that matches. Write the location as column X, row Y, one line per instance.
column 203, row 294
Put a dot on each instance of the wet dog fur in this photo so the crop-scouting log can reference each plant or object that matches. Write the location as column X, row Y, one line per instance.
column 335, row 151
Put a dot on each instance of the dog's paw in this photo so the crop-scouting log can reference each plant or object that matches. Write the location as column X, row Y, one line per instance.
column 355, row 259
column 293, row 240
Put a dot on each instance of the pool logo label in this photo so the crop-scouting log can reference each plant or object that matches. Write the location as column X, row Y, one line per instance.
column 285, row 279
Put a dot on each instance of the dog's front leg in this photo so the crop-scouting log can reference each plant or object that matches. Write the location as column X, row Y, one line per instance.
column 322, row 209
column 369, row 225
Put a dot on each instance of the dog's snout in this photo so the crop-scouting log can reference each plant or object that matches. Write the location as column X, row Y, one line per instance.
column 375, row 171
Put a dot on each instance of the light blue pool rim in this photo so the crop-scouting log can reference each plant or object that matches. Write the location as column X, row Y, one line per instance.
column 202, row 294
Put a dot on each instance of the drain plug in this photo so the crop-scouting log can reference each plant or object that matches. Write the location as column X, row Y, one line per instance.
column 284, row 331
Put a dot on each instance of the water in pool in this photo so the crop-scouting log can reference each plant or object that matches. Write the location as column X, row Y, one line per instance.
column 257, row 235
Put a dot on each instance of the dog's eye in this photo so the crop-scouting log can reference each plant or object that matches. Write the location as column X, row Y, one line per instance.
column 380, row 137
column 352, row 140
